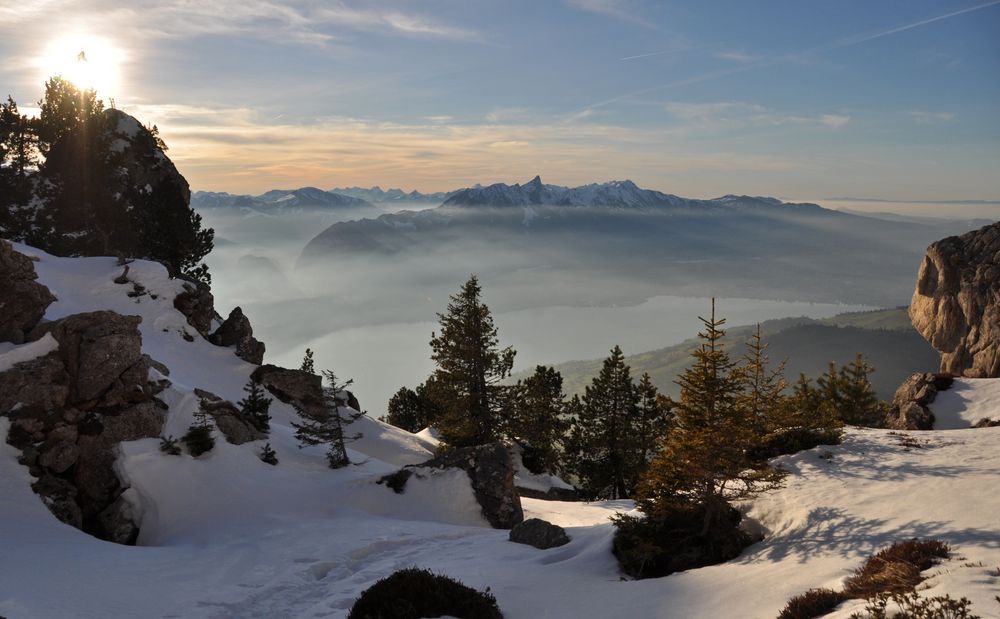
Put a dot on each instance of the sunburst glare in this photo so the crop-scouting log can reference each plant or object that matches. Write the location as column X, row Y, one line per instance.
column 88, row 61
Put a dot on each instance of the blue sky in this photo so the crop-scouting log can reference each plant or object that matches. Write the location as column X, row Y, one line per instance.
column 803, row 98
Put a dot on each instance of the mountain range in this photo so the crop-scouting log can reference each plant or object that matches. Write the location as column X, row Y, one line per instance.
column 278, row 200
column 545, row 237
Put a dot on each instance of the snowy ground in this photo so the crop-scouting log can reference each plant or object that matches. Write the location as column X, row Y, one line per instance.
column 227, row 536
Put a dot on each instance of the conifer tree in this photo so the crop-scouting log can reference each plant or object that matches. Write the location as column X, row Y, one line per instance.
column 255, row 406
column 268, row 455
column 308, row 364
column 199, row 437
column 654, row 413
column 604, row 434
column 537, row 424
column 327, row 426
column 63, row 109
column 859, row 405
column 412, row 410
column 469, row 369
column 763, row 389
column 703, row 463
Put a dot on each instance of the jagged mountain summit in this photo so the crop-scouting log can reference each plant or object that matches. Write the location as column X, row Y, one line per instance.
column 377, row 195
column 618, row 194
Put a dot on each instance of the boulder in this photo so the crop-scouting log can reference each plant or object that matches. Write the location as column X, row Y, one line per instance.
column 198, row 305
column 538, row 533
column 22, row 299
column 236, row 331
column 228, row 419
column 551, row 494
column 296, row 387
column 910, row 408
column 490, row 469
column 956, row 304
column 118, row 522
column 102, row 353
column 59, row 496
column 71, row 408
column 100, row 433
column 41, row 384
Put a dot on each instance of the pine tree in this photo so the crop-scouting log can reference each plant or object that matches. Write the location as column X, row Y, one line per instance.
column 268, row 455
column 537, row 424
column 326, row 426
column 199, row 437
column 859, row 405
column 308, row 364
column 605, row 433
column 703, row 463
column 411, row 410
column 469, row 369
column 255, row 406
column 763, row 389
column 654, row 414
column 63, row 109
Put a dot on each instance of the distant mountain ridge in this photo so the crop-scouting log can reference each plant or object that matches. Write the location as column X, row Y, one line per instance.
column 377, row 195
column 616, row 194
column 278, row 200
column 885, row 337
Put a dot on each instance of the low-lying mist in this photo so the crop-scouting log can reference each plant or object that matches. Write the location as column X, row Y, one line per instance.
column 369, row 316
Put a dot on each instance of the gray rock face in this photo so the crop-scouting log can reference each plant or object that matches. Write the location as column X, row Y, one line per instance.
column 70, row 409
column 102, row 352
column 228, row 419
column 22, row 299
column 236, row 331
column 539, row 533
column 490, row 469
column 198, row 305
column 910, row 406
column 295, row 387
column 956, row 304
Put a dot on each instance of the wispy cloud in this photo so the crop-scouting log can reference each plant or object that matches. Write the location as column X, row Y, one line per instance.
column 735, row 114
column 619, row 9
column 749, row 62
column 922, row 117
column 235, row 149
column 736, row 56
column 298, row 22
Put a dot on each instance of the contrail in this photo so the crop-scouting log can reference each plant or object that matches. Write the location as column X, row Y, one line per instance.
column 656, row 53
column 769, row 61
column 917, row 24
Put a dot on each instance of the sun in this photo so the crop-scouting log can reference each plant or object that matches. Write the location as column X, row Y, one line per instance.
column 88, row 61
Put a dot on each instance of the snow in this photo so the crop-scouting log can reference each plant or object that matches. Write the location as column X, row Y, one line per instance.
column 228, row 536
column 26, row 352
column 966, row 402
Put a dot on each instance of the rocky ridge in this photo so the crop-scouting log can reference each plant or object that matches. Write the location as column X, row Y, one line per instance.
column 956, row 303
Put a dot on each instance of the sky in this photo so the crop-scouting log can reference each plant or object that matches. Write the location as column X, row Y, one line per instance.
column 888, row 99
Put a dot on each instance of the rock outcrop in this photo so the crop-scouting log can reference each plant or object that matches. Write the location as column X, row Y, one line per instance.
column 71, row 408
column 22, row 299
column 956, row 304
column 538, row 533
column 296, row 387
column 198, row 305
column 490, row 469
column 551, row 494
column 910, row 409
column 228, row 419
column 236, row 331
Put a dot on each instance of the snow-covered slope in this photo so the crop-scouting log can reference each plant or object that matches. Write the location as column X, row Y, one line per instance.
column 227, row 536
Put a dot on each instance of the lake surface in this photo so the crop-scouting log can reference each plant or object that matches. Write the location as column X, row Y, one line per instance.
column 383, row 358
